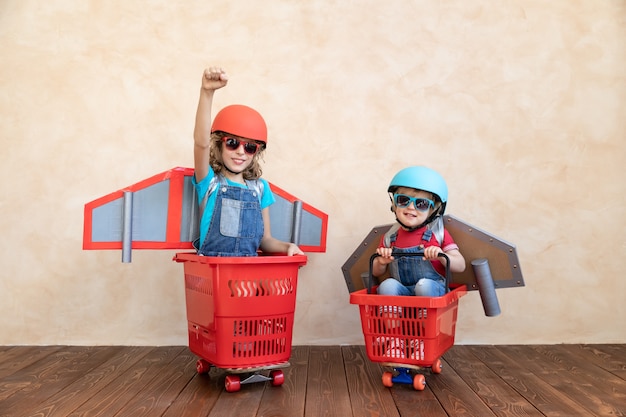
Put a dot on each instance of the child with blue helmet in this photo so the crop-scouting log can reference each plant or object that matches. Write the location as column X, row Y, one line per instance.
column 418, row 199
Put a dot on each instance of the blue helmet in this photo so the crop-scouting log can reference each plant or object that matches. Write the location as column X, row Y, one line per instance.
column 421, row 178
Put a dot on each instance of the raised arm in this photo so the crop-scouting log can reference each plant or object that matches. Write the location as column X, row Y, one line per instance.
column 213, row 78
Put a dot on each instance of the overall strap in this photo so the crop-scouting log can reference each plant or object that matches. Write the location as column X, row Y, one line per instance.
column 254, row 185
column 257, row 186
column 388, row 239
column 390, row 236
column 435, row 227
column 212, row 186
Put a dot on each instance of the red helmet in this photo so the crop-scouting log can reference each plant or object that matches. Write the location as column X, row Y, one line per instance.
column 242, row 121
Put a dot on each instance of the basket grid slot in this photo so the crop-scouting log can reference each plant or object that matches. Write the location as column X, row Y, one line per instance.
column 393, row 320
column 259, row 327
column 387, row 324
column 259, row 337
column 259, row 348
column 264, row 287
column 198, row 284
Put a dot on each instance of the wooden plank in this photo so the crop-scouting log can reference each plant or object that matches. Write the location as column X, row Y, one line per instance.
column 17, row 357
column 617, row 352
column 80, row 391
column 42, row 379
column 522, row 369
column 455, row 396
column 501, row 398
column 599, row 390
column 610, row 357
column 198, row 397
column 327, row 389
column 407, row 401
column 288, row 399
column 368, row 396
column 129, row 384
column 556, row 380
column 413, row 403
column 237, row 404
column 162, row 390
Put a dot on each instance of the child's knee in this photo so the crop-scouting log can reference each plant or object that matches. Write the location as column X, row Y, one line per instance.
column 388, row 287
column 427, row 288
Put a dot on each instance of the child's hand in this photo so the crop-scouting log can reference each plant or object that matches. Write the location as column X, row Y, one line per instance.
column 385, row 255
column 293, row 249
column 432, row 252
column 214, row 78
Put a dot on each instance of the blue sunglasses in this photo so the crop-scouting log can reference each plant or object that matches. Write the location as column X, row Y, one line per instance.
column 421, row 204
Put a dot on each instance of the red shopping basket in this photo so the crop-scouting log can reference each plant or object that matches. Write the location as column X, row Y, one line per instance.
column 240, row 309
column 408, row 332
column 423, row 326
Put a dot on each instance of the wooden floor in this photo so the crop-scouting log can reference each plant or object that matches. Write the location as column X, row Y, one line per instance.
column 477, row 381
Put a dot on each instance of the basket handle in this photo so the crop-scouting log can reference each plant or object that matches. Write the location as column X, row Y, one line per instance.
column 370, row 279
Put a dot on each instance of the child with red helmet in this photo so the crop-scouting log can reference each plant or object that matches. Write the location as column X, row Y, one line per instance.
column 234, row 199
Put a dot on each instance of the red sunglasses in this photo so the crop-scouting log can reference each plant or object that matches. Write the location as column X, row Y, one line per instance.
column 233, row 144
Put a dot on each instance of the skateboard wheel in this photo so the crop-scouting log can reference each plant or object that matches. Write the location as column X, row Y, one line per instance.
column 278, row 378
column 388, row 379
column 203, row 366
column 437, row 366
column 232, row 383
column 419, row 382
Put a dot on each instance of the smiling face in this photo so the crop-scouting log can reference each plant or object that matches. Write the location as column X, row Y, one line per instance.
column 409, row 216
column 235, row 164
column 237, row 155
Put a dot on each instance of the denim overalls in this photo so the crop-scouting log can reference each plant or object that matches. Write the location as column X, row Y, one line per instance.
column 237, row 224
column 409, row 270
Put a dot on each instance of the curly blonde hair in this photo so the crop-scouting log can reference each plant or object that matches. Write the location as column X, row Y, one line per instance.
column 252, row 172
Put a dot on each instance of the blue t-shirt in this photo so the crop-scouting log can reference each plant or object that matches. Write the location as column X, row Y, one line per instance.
column 266, row 199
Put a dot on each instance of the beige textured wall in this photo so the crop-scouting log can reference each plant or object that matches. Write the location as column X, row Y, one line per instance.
column 521, row 104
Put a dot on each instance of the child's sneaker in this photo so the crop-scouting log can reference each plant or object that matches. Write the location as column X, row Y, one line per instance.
column 395, row 348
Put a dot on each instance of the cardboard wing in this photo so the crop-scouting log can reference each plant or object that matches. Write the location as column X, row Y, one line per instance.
column 476, row 245
column 161, row 212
